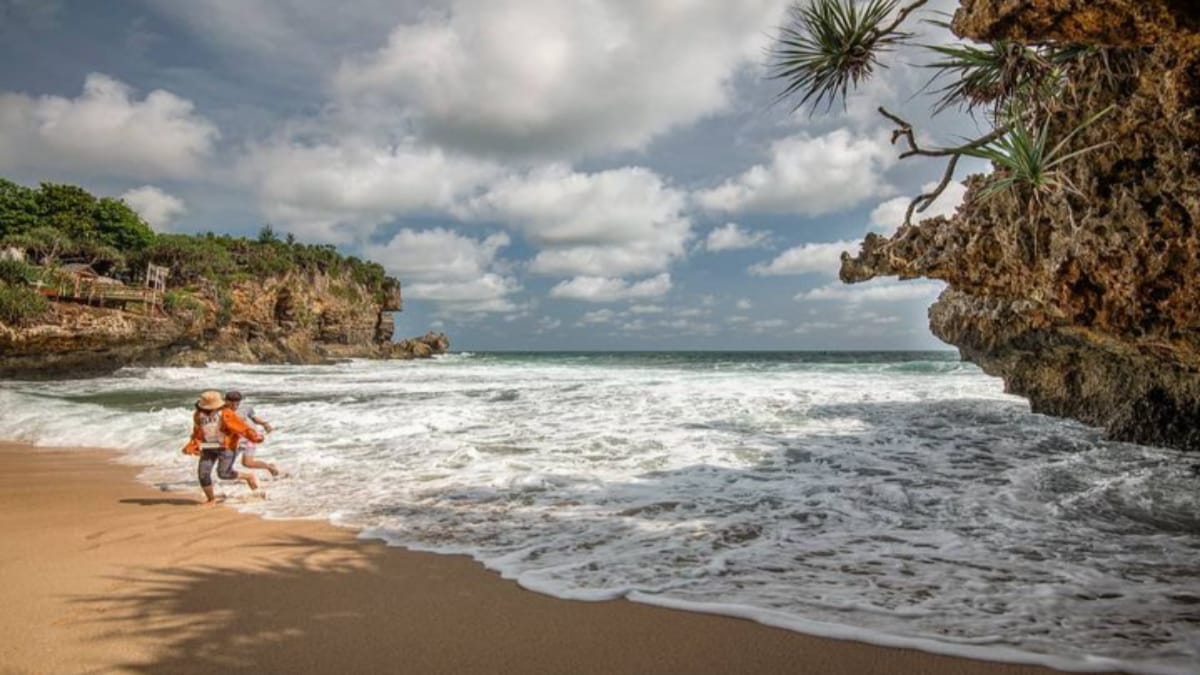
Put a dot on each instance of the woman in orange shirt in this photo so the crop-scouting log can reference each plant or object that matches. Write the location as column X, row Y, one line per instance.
column 216, row 430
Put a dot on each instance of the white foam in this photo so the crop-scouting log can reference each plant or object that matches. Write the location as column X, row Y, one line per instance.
column 915, row 502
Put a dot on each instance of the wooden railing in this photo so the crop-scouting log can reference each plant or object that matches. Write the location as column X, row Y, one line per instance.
column 100, row 294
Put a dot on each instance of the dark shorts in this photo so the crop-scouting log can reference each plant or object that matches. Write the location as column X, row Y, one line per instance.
column 223, row 459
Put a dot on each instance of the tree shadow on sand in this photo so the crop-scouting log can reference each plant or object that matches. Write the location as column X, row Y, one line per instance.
column 350, row 607
column 161, row 501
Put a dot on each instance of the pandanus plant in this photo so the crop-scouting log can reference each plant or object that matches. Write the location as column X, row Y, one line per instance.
column 829, row 47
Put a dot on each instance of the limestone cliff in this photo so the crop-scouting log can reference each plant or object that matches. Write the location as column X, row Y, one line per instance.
column 1088, row 304
column 298, row 317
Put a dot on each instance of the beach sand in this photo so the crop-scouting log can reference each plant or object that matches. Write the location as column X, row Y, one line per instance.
column 102, row 574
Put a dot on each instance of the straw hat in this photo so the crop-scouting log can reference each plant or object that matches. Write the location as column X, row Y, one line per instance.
column 210, row 400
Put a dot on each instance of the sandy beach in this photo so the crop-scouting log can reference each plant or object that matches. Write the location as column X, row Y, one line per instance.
column 103, row 574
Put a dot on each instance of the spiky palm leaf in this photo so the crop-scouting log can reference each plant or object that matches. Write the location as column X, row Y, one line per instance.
column 1024, row 157
column 829, row 45
column 991, row 74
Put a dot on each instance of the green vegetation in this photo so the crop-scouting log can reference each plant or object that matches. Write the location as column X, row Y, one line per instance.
column 831, row 45
column 1023, row 156
column 1028, row 92
column 17, row 272
column 20, row 304
column 58, row 224
column 66, row 223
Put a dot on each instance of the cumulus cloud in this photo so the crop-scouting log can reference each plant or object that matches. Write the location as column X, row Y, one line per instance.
column 646, row 309
column 598, row 316
column 154, row 206
column 765, row 325
column 559, row 79
column 340, row 190
column 881, row 291
column 808, row 175
column 442, row 266
column 804, row 259
column 601, row 289
column 106, row 128
column 889, row 216
column 616, row 222
column 731, row 236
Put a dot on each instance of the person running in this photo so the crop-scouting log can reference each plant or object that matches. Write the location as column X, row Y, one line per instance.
column 216, row 429
column 247, row 448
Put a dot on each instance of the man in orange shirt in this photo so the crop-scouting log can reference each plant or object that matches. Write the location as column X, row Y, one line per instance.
column 216, row 430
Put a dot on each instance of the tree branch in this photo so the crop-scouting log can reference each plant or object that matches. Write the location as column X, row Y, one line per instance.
column 904, row 130
column 903, row 16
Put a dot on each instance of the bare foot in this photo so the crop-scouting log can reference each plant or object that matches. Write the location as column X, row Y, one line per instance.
column 274, row 470
column 251, row 481
column 209, row 503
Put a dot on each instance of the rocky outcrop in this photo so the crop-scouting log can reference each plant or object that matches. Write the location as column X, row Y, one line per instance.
column 294, row 318
column 1086, row 303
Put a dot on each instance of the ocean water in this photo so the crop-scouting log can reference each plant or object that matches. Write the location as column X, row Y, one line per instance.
column 897, row 498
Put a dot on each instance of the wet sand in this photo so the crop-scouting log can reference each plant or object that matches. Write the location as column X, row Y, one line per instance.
column 103, row 574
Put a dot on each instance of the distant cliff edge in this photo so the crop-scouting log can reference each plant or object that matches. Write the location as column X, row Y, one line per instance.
column 86, row 287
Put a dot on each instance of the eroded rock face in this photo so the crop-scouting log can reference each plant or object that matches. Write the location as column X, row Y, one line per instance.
column 1088, row 304
column 295, row 318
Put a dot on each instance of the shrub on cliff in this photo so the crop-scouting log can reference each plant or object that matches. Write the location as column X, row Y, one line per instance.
column 20, row 305
column 17, row 272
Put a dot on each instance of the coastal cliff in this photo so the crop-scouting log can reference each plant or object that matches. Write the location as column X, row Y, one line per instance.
column 1087, row 303
column 298, row 317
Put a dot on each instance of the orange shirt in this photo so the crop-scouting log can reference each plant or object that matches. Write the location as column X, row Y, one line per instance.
column 231, row 425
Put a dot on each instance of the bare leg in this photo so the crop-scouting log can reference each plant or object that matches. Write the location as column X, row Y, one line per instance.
column 250, row 480
column 209, row 497
column 251, row 463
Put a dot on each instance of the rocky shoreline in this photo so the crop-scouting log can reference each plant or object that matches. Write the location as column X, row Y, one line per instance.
column 292, row 318
column 1087, row 304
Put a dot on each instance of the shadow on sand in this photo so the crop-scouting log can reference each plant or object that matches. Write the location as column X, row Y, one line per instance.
column 162, row 501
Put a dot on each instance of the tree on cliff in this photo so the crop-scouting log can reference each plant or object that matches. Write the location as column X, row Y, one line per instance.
column 65, row 221
column 830, row 46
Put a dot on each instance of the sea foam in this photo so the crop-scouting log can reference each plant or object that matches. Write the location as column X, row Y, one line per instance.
column 902, row 501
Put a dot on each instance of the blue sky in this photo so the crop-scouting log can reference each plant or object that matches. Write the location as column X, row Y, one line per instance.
column 567, row 174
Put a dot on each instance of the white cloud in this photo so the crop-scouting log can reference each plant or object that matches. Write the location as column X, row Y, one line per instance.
column 559, row 79
column 808, row 175
column 881, row 291
column 598, row 316
column 765, row 325
column 600, row 289
column 339, row 191
column 889, row 216
column 807, row 258
column 154, row 206
column 457, row 272
column 546, row 324
column 105, row 129
column 646, row 309
column 731, row 236
column 611, row 223
column 744, row 304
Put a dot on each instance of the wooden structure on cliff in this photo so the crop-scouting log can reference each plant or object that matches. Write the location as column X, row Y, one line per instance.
column 81, row 283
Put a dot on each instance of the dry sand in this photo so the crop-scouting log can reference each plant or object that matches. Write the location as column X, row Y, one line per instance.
column 101, row 574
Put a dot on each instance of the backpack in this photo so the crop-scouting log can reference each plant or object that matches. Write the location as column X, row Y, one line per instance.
column 211, row 425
